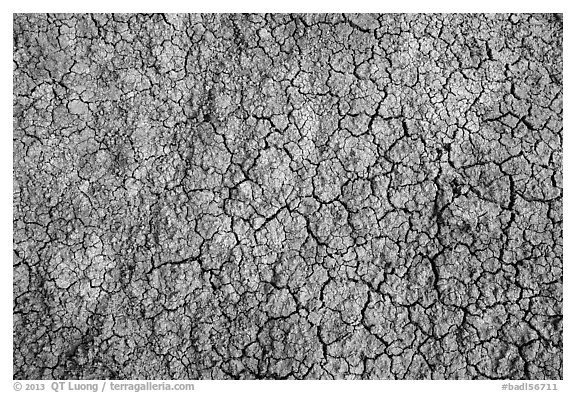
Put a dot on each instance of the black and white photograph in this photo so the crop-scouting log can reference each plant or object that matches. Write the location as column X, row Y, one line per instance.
column 209, row 196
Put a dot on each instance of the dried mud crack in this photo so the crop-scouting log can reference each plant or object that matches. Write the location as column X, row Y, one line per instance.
column 287, row 196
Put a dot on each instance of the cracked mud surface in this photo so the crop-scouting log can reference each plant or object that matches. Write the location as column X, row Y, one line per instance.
column 287, row 196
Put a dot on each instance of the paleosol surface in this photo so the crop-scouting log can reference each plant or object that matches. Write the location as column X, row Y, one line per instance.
column 287, row 196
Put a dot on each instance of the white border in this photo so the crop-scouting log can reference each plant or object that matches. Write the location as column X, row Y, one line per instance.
column 290, row 6
column 569, row 169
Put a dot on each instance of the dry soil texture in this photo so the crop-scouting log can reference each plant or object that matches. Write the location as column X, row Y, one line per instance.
column 287, row 196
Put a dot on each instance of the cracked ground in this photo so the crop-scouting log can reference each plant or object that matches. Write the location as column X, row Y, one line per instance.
column 287, row 196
